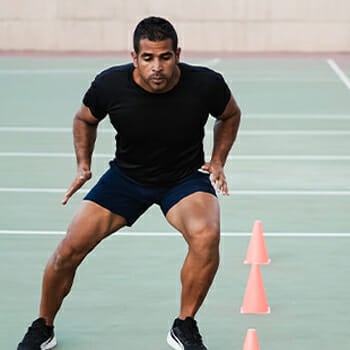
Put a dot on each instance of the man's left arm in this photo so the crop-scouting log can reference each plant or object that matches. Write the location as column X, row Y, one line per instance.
column 225, row 132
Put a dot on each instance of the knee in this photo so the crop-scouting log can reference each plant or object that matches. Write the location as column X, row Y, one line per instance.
column 205, row 237
column 65, row 257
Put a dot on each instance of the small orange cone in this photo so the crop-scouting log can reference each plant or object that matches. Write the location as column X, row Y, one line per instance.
column 251, row 340
column 257, row 252
column 255, row 301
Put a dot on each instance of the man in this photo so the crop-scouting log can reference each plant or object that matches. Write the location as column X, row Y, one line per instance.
column 159, row 108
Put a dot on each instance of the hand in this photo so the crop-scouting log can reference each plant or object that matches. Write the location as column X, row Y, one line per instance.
column 80, row 179
column 217, row 176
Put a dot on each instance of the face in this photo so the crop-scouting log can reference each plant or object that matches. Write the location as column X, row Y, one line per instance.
column 155, row 65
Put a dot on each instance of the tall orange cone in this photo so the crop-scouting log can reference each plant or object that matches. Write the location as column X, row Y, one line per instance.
column 251, row 340
column 255, row 301
column 257, row 252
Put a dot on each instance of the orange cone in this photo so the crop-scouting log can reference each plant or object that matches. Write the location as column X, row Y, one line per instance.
column 257, row 252
column 255, row 301
column 251, row 340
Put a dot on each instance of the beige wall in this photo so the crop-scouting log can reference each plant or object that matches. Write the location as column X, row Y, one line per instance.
column 202, row 25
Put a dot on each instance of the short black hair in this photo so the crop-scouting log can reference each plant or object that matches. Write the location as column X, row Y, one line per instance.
column 154, row 29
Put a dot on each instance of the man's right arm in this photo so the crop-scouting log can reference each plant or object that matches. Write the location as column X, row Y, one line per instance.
column 84, row 132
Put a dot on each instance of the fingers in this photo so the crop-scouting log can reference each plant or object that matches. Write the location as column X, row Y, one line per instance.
column 77, row 183
column 220, row 184
column 217, row 177
column 74, row 187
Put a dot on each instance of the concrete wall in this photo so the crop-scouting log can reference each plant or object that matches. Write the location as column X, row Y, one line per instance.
column 202, row 25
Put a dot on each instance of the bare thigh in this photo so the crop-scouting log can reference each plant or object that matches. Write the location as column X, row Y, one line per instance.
column 90, row 224
column 196, row 215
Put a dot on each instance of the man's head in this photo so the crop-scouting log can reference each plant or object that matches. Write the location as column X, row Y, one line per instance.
column 154, row 29
column 156, row 55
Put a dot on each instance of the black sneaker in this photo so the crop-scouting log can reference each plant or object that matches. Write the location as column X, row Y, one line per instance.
column 184, row 335
column 38, row 337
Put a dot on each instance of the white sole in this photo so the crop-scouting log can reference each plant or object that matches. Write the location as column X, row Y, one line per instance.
column 50, row 344
column 175, row 345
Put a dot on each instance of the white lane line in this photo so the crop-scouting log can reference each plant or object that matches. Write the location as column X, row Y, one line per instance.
column 281, row 116
column 246, row 79
column 243, row 132
column 341, row 75
column 290, row 193
column 210, row 62
column 35, row 190
column 50, row 155
column 294, row 132
column 237, row 193
column 298, row 116
column 176, row 234
column 37, row 129
column 54, row 71
column 230, row 157
column 290, row 157
column 233, row 77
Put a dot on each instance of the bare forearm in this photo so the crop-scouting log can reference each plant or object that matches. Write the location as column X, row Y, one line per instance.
column 84, row 132
column 225, row 133
column 84, row 142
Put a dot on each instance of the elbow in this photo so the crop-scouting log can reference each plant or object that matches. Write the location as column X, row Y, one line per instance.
column 85, row 116
column 237, row 114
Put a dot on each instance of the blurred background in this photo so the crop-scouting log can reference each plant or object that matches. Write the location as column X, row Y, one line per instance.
column 220, row 25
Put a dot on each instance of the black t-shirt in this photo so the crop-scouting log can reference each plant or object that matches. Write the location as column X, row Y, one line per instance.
column 159, row 137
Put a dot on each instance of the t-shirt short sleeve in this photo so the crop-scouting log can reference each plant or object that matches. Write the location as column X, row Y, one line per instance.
column 219, row 95
column 94, row 98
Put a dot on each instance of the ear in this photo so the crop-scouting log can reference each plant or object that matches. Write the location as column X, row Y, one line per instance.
column 177, row 54
column 134, row 58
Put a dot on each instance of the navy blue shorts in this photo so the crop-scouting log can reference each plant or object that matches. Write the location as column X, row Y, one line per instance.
column 128, row 198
